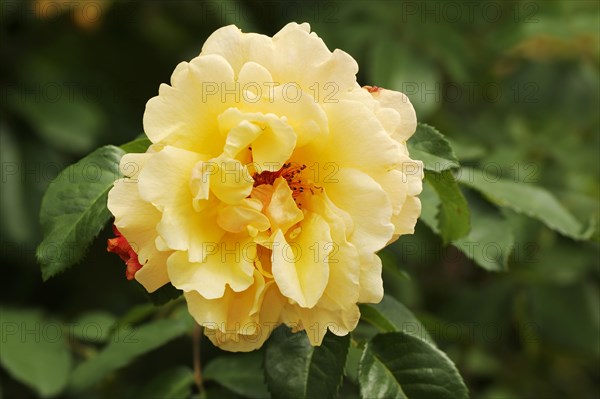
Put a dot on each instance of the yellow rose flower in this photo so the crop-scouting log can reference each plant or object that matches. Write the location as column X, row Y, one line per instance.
column 272, row 181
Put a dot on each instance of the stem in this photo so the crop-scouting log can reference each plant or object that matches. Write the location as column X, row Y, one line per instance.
column 196, row 337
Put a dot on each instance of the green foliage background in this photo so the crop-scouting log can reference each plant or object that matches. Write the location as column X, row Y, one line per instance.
column 514, row 86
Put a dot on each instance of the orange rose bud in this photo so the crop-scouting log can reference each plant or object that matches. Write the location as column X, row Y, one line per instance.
column 120, row 246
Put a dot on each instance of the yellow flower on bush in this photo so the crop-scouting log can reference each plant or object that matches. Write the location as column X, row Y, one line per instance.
column 272, row 181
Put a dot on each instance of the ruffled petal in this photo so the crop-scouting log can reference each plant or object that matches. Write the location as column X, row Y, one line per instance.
column 300, row 268
column 318, row 320
column 357, row 140
column 244, row 217
column 232, row 312
column 137, row 220
column 282, row 210
column 174, row 117
column 371, row 283
column 369, row 206
column 227, row 262
column 272, row 140
column 239, row 48
column 300, row 110
column 405, row 122
column 164, row 182
column 342, row 289
column 406, row 220
column 263, row 324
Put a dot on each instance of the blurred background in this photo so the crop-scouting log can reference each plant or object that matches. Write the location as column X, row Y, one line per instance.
column 514, row 85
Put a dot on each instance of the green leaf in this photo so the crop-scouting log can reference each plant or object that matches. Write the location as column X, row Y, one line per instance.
column 171, row 384
column 34, row 350
column 490, row 241
column 352, row 361
column 467, row 152
column 454, row 220
column 296, row 369
column 526, row 199
column 242, row 373
column 430, row 203
column 94, row 326
column 137, row 314
column 566, row 316
column 389, row 315
column 74, row 209
column 125, row 345
column 399, row 365
column 138, row 145
column 431, row 147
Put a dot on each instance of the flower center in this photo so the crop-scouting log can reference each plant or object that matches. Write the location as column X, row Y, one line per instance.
column 292, row 173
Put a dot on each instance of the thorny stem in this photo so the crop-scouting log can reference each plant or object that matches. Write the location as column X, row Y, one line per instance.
column 196, row 337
